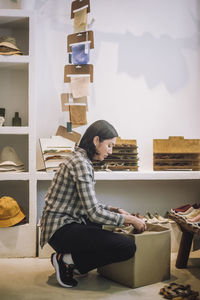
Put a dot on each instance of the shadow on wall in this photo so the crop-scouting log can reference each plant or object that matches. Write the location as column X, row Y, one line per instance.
column 159, row 60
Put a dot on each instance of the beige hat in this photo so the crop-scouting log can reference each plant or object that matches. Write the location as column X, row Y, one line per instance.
column 9, row 156
column 9, row 42
column 10, row 212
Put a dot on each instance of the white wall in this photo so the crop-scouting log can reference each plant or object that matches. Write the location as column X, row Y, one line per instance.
column 146, row 83
column 146, row 68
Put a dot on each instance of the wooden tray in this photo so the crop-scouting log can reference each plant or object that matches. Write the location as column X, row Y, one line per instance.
column 176, row 153
column 176, row 144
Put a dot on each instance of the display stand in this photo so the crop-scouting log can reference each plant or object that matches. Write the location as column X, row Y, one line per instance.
column 188, row 232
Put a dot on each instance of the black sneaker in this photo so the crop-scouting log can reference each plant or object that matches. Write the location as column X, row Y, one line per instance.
column 64, row 272
column 76, row 272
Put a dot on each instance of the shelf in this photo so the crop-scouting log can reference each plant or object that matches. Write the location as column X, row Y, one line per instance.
column 166, row 175
column 4, row 176
column 13, row 14
column 18, row 241
column 44, row 175
column 117, row 175
column 15, row 62
column 14, row 130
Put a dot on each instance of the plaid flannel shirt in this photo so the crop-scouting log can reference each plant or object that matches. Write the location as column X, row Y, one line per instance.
column 71, row 198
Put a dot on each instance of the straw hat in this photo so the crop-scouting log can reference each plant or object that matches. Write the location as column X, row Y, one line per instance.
column 9, row 156
column 10, row 212
column 10, row 43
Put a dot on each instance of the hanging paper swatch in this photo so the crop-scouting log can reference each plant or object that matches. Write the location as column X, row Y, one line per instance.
column 80, row 86
column 80, row 20
column 80, row 53
column 78, row 114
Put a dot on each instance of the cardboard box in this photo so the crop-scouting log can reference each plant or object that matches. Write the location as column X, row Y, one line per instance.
column 151, row 262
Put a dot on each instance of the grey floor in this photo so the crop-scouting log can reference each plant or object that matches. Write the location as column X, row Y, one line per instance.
column 34, row 278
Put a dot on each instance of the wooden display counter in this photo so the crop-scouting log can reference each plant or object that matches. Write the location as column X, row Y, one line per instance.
column 188, row 231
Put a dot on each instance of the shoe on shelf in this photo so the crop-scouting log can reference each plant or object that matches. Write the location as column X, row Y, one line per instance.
column 193, row 214
column 161, row 219
column 182, row 208
column 64, row 272
column 188, row 211
column 151, row 219
column 167, row 215
column 195, row 219
column 196, row 225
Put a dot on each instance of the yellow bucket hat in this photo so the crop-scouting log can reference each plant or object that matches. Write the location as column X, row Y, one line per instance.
column 10, row 212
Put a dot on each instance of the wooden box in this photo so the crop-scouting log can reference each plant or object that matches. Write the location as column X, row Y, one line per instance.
column 176, row 153
column 123, row 158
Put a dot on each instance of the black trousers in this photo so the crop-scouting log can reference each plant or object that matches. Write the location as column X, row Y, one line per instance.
column 91, row 246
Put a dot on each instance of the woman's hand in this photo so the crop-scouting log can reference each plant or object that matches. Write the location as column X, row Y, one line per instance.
column 123, row 212
column 139, row 224
column 119, row 210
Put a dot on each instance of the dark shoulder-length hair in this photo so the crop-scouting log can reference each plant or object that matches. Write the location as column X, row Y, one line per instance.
column 100, row 128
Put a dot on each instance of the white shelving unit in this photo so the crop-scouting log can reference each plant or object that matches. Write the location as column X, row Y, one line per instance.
column 154, row 175
column 17, row 93
column 120, row 175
